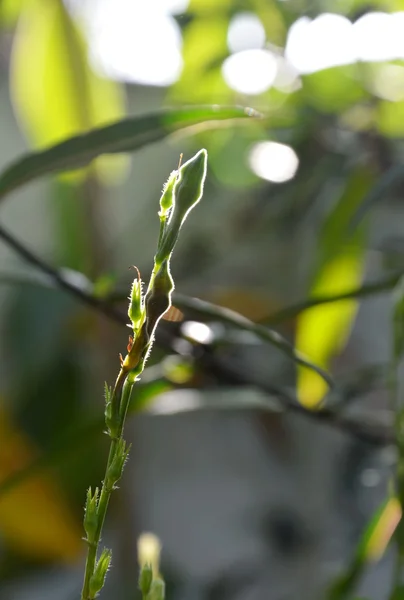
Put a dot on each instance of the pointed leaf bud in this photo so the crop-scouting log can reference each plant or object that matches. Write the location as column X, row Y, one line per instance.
column 135, row 310
column 167, row 198
column 97, row 580
column 145, row 578
column 188, row 191
column 157, row 590
column 115, row 470
column 90, row 515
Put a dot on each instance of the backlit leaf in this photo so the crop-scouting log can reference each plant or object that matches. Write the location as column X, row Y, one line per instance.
column 55, row 92
column 323, row 330
column 124, row 136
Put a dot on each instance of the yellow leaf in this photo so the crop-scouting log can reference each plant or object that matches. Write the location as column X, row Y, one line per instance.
column 55, row 92
column 34, row 517
column 383, row 530
column 323, row 330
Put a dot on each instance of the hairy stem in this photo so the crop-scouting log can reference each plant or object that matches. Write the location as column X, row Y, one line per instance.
column 121, row 397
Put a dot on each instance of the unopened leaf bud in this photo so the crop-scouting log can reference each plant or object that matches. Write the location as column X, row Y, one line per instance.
column 135, row 310
column 167, row 198
column 115, row 470
column 97, row 579
column 90, row 514
column 157, row 590
column 145, row 578
column 188, row 191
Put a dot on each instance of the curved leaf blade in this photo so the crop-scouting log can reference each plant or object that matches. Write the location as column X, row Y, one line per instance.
column 127, row 135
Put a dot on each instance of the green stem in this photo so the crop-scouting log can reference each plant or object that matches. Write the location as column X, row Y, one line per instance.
column 121, row 396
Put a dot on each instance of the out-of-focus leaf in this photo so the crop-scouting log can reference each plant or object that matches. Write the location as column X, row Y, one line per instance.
column 125, row 136
column 149, row 388
column 367, row 289
column 322, row 331
column 55, row 92
column 9, row 12
column 390, row 118
column 199, row 7
column 228, row 153
column 205, row 47
column 380, row 531
column 34, row 517
column 398, row 322
column 271, row 16
column 372, row 546
column 383, row 185
column 333, row 90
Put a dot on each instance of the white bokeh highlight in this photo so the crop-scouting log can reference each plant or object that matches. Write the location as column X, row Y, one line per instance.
column 135, row 41
column 330, row 40
column 273, row 161
column 198, row 332
column 250, row 72
column 245, row 32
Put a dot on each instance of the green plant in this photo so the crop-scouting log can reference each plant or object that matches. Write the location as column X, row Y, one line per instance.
column 181, row 193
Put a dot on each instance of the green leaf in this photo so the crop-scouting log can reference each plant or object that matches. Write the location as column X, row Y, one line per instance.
column 371, row 547
column 205, row 47
column 55, row 93
column 124, row 136
column 9, row 12
column 322, row 331
column 390, row 118
column 335, row 89
column 387, row 181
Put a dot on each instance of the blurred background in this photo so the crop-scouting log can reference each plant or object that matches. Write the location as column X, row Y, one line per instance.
column 250, row 499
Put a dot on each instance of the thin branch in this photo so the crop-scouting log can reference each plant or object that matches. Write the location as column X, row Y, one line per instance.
column 225, row 315
column 60, row 280
column 368, row 289
column 68, row 281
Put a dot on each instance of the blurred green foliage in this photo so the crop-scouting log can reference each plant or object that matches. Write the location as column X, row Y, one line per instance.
column 315, row 231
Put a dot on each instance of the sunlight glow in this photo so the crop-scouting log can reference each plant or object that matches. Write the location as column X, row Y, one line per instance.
column 330, row 40
column 135, row 41
column 273, row 161
column 250, row 71
column 245, row 32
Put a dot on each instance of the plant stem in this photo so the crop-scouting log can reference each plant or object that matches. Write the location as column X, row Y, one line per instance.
column 121, row 397
column 144, row 312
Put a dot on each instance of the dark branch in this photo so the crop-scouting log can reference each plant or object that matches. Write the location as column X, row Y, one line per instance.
column 206, row 358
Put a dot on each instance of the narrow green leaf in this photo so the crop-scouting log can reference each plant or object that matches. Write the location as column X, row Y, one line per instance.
column 383, row 186
column 123, row 136
column 322, row 331
column 55, row 93
column 371, row 547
